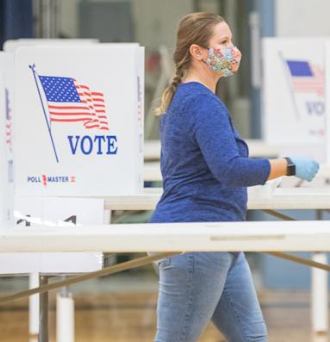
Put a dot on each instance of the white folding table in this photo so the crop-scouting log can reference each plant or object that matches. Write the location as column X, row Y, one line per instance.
column 259, row 236
column 268, row 236
column 257, row 148
column 280, row 199
column 168, row 239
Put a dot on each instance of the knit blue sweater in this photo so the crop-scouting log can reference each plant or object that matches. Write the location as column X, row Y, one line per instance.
column 204, row 161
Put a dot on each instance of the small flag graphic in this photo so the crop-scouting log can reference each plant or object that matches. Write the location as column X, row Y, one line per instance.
column 306, row 78
column 9, row 130
column 69, row 101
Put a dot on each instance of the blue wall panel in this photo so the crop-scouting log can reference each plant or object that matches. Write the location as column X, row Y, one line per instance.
column 16, row 19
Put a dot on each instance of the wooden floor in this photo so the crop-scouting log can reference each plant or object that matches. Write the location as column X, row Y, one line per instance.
column 131, row 317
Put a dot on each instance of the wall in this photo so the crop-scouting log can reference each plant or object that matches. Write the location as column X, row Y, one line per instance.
column 302, row 18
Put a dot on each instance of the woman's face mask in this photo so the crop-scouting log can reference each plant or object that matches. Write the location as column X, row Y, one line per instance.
column 224, row 60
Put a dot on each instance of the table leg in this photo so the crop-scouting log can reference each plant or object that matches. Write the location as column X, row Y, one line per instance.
column 64, row 316
column 319, row 291
column 43, row 309
column 34, row 307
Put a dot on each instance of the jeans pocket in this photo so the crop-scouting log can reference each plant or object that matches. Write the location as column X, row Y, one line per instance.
column 162, row 263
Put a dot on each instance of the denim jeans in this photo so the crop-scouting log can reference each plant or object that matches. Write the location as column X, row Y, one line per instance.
column 195, row 288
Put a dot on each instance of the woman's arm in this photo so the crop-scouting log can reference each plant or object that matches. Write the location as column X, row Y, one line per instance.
column 213, row 132
column 305, row 168
column 277, row 168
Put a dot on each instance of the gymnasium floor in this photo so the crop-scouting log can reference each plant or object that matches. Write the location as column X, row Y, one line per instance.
column 121, row 308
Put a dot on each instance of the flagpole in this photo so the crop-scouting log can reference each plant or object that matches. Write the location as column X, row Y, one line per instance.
column 293, row 96
column 32, row 67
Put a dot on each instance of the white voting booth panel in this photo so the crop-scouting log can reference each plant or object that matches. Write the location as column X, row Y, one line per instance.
column 10, row 47
column 79, row 120
column 52, row 213
column 6, row 181
column 294, row 95
column 327, row 98
column 3, row 183
column 7, row 68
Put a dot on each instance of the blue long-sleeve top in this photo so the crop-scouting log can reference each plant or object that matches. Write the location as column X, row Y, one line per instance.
column 204, row 161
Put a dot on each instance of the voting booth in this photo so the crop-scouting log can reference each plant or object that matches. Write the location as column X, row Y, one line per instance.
column 78, row 111
column 78, row 133
column 294, row 95
column 79, row 118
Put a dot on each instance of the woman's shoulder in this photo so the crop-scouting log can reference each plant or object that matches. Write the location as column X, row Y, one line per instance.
column 199, row 98
column 194, row 95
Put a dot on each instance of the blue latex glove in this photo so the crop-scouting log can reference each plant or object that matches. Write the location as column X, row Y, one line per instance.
column 306, row 168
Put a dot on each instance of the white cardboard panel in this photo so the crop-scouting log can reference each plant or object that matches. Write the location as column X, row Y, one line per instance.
column 293, row 93
column 36, row 211
column 6, row 180
column 327, row 99
column 87, row 164
column 3, row 183
column 12, row 45
column 140, row 117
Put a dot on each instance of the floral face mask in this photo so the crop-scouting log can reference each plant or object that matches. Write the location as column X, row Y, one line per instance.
column 224, row 60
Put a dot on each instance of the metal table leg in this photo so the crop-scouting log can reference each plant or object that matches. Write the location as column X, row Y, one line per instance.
column 64, row 316
column 319, row 292
column 43, row 309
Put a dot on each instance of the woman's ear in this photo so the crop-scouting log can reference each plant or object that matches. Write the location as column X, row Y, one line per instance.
column 197, row 52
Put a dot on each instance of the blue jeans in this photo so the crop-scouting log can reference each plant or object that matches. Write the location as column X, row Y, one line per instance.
column 195, row 288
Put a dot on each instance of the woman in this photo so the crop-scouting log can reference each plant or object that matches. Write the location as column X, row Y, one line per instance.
column 206, row 171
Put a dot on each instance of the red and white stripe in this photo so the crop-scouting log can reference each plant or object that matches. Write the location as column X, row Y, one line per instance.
column 310, row 84
column 91, row 110
column 9, row 134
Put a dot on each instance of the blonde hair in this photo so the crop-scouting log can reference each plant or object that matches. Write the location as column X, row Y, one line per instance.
column 194, row 28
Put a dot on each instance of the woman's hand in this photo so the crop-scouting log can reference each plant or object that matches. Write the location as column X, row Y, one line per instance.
column 306, row 168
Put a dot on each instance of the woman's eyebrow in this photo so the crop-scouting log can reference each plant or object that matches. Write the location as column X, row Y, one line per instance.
column 225, row 37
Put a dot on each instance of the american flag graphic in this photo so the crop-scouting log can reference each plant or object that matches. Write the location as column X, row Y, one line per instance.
column 9, row 130
column 69, row 101
column 306, row 78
